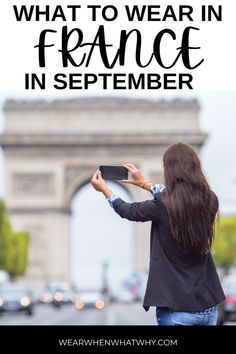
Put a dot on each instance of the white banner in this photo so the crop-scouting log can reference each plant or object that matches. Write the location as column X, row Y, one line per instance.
column 174, row 46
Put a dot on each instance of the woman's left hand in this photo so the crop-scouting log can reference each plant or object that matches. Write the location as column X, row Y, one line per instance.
column 98, row 182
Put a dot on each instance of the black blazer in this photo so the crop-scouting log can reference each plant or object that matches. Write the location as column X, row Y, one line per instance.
column 179, row 281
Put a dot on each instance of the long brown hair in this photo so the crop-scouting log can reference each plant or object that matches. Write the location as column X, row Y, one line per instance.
column 190, row 203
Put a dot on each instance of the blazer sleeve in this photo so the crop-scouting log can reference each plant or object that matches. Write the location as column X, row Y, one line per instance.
column 148, row 210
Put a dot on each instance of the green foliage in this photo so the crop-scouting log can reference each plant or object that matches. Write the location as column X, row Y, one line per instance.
column 13, row 246
column 224, row 250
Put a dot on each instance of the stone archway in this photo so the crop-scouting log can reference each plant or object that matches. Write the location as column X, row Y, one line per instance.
column 52, row 148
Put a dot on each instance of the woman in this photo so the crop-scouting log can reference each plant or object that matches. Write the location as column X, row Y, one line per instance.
column 183, row 283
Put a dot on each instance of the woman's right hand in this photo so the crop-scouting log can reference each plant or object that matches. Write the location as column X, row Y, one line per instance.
column 137, row 178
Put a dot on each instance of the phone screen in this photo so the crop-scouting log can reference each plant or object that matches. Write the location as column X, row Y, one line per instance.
column 114, row 172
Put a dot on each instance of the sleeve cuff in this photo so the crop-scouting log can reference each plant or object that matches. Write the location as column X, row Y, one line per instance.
column 112, row 199
column 157, row 188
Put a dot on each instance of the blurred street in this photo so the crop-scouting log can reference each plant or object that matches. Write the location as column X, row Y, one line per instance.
column 113, row 314
column 120, row 314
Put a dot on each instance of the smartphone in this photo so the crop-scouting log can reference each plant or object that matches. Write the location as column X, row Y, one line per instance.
column 114, row 172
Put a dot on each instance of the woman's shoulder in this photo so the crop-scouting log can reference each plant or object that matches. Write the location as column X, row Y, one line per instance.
column 158, row 198
column 159, row 202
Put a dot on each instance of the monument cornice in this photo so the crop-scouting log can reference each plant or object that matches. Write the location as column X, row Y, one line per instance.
column 67, row 140
column 101, row 102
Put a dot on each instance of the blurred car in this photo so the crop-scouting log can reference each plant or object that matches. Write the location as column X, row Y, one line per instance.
column 89, row 299
column 14, row 298
column 56, row 293
column 45, row 297
column 4, row 277
column 227, row 309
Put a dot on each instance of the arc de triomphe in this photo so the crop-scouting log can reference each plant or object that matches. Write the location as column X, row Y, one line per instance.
column 52, row 148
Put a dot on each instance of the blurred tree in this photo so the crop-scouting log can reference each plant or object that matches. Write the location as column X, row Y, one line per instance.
column 13, row 246
column 224, row 249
